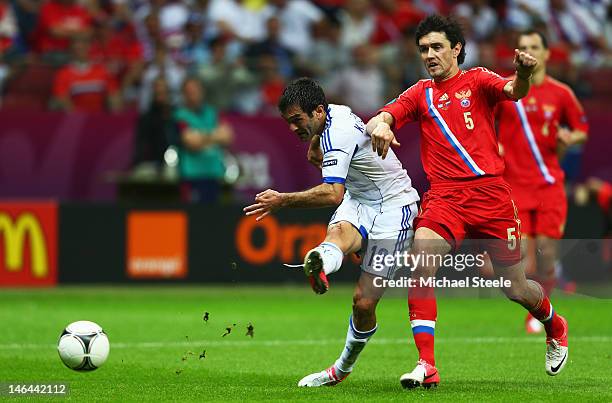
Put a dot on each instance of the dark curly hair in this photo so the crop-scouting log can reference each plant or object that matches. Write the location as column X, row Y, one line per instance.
column 438, row 23
column 303, row 92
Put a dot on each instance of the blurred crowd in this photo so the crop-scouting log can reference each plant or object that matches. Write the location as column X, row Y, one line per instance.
column 98, row 55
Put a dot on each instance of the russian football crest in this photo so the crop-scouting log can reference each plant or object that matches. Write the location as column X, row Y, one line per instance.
column 549, row 111
column 464, row 97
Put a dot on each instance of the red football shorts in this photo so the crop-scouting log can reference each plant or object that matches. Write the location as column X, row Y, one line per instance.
column 542, row 210
column 482, row 211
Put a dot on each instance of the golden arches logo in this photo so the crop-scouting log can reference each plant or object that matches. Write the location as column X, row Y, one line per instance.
column 14, row 243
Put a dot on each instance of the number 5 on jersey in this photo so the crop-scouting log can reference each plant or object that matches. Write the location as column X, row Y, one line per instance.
column 469, row 122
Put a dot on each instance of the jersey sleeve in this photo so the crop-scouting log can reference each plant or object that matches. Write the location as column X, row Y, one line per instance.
column 404, row 108
column 338, row 150
column 573, row 114
column 492, row 85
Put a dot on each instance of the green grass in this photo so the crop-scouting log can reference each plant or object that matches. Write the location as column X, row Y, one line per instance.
column 482, row 351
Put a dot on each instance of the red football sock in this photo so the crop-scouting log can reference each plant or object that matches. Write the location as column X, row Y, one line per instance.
column 545, row 313
column 423, row 313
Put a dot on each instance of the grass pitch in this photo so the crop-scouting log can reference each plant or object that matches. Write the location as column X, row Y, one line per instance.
column 482, row 351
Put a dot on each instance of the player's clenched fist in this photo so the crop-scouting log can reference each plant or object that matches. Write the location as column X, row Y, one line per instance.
column 382, row 138
column 525, row 63
column 265, row 202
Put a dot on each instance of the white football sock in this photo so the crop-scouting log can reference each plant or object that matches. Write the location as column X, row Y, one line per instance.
column 355, row 342
column 332, row 257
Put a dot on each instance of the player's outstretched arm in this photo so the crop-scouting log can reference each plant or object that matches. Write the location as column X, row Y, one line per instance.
column 525, row 64
column 379, row 128
column 323, row 195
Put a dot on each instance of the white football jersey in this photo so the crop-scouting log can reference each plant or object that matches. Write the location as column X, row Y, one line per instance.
column 348, row 158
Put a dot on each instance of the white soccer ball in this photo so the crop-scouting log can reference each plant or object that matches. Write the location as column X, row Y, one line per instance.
column 83, row 346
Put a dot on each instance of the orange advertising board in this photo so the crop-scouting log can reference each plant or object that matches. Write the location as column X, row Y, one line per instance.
column 156, row 244
column 28, row 243
column 282, row 242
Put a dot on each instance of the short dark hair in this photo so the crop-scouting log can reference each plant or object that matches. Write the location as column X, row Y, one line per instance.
column 303, row 92
column 535, row 32
column 450, row 27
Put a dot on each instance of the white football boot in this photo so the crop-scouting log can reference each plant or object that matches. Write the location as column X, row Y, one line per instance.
column 557, row 351
column 323, row 378
column 424, row 374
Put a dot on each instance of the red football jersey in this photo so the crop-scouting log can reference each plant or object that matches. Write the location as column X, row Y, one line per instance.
column 456, row 116
column 87, row 87
column 528, row 132
column 117, row 52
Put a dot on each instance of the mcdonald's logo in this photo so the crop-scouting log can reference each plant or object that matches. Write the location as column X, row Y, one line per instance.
column 28, row 243
column 14, row 241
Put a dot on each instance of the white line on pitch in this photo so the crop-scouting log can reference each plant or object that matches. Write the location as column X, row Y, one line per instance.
column 274, row 343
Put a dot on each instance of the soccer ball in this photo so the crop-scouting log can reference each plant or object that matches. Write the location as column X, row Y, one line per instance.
column 83, row 346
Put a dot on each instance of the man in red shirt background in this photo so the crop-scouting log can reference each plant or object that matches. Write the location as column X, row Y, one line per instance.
column 59, row 22
column 115, row 44
column 532, row 134
column 85, row 86
column 468, row 196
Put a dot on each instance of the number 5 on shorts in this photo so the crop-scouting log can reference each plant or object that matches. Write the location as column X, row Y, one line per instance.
column 512, row 238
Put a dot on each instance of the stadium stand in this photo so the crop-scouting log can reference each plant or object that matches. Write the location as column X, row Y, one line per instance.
column 280, row 38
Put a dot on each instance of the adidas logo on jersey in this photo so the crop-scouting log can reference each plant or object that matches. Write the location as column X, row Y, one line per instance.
column 444, row 102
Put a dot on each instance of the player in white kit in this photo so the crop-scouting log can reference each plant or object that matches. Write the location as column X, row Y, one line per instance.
column 376, row 205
